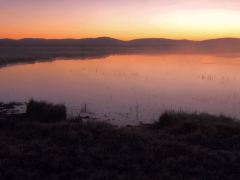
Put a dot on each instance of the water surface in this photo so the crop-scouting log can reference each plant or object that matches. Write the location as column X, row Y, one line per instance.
column 127, row 89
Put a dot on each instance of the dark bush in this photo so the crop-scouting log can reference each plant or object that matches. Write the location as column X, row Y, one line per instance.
column 45, row 112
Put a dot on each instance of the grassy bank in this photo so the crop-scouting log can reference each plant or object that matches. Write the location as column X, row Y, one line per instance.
column 177, row 146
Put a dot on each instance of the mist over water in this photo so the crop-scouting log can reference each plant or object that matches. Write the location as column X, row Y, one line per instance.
column 128, row 89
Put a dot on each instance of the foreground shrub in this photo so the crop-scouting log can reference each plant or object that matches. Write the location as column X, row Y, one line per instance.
column 45, row 112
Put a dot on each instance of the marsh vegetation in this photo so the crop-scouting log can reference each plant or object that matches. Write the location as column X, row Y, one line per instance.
column 177, row 146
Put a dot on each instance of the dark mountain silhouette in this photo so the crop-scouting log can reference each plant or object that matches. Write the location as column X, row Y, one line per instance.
column 222, row 40
column 155, row 41
column 223, row 44
column 88, row 41
column 60, row 42
column 30, row 49
column 212, row 44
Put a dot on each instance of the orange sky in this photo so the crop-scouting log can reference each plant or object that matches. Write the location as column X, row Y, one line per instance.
column 123, row 19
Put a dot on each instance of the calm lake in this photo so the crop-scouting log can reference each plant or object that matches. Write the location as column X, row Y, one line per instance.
column 128, row 89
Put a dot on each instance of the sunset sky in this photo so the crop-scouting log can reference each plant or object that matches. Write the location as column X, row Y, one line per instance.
column 123, row 19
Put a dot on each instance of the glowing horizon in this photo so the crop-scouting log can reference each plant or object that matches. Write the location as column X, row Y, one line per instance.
column 122, row 19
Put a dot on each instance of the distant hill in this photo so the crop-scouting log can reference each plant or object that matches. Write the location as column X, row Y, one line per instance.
column 223, row 44
column 89, row 41
column 156, row 41
column 61, row 42
column 31, row 50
